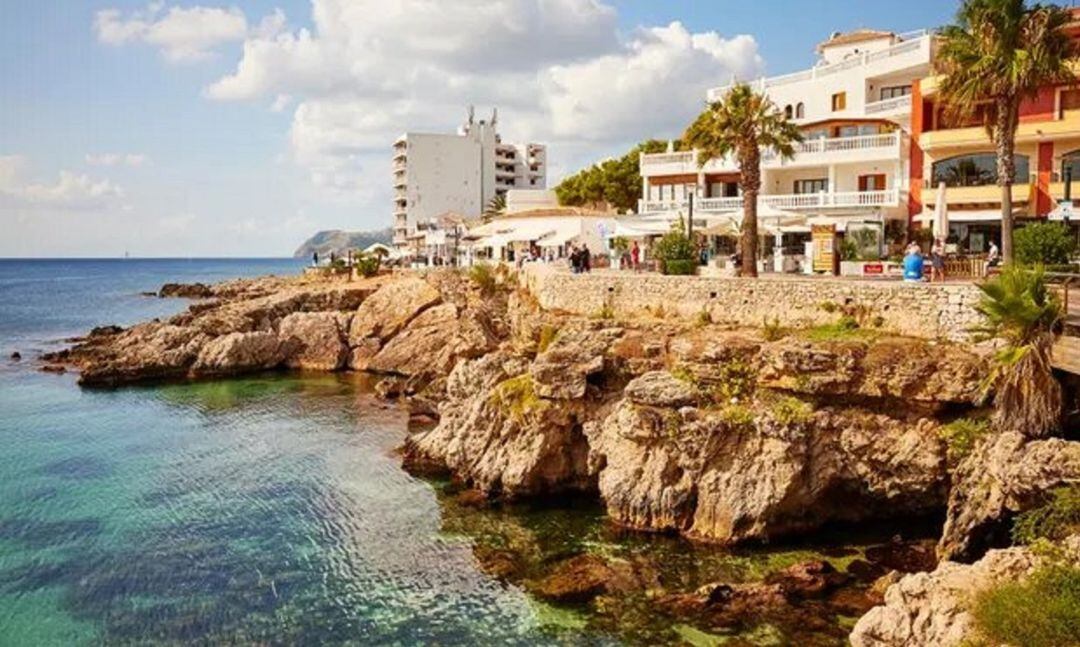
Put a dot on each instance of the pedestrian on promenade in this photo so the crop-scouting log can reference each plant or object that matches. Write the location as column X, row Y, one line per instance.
column 586, row 259
column 575, row 259
column 993, row 258
column 937, row 261
column 314, row 259
column 635, row 256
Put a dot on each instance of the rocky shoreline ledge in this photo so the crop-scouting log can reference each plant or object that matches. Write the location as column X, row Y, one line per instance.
column 719, row 434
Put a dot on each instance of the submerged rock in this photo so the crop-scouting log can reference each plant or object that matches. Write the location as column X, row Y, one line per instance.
column 1005, row 475
column 580, row 579
column 186, row 291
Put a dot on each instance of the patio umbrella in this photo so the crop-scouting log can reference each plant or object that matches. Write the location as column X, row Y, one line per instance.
column 941, row 214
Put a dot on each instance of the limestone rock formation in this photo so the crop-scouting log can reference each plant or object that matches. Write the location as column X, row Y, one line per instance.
column 434, row 341
column 1005, row 475
column 239, row 352
column 754, row 473
column 660, row 389
column 932, row 608
column 390, row 308
column 316, row 339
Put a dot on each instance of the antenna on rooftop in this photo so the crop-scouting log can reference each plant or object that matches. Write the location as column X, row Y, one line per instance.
column 472, row 112
column 494, row 116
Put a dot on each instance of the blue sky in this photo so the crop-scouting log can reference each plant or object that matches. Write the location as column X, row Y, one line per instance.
column 204, row 128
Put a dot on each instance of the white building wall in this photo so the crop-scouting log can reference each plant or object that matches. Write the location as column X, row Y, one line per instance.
column 443, row 173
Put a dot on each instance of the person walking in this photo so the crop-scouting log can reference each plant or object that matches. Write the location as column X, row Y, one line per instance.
column 937, row 261
column 635, row 256
column 586, row 259
column 314, row 259
column 993, row 258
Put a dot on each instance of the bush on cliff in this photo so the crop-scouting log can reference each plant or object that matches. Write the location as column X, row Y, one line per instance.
column 483, row 277
column 961, row 435
column 1042, row 611
column 1020, row 310
column 1058, row 518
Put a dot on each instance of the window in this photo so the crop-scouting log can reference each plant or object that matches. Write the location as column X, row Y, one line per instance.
column 875, row 182
column 1070, row 100
column 812, row 186
column 839, row 101
column 787, row 111
column 1071, row 163
column 895, row 91
column 975, row 170
column 857, row 130
column 800, row 111
column 816, row 133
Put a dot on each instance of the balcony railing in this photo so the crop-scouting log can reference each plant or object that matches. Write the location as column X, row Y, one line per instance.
column 822, row 200
column 889, row 105
column 914, row 43
column 807, row 152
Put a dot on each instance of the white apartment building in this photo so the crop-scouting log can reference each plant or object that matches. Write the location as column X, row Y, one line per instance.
column 460, row 173
column 854, row 108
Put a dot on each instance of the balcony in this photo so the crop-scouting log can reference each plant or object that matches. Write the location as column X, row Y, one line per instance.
column 889, row 107
column 792, row 201
column 813, row 152
column 1026, row 133
column 912, row 51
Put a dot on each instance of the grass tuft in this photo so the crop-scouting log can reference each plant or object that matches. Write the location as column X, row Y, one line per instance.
column 961, row 435
column 1058, row 518
column 1042, row 611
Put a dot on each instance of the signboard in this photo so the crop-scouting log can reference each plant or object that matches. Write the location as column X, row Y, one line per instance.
column 1065, row 209
column 873, row 268
column 824, row 240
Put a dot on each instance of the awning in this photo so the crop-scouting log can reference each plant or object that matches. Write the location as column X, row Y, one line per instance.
column 980, row 215
column 841, row 222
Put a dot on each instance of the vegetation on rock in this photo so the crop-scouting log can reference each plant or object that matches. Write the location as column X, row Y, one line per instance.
column 1041, row 611
column 961, row 435
column 1055, row 520
column 1020, row 310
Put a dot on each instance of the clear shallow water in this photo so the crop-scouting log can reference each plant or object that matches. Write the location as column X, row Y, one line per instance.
column 269, row 509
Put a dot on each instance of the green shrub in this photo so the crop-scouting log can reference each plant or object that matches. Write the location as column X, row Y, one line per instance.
column 367, row 264
column 674, row 246
column 704, row 318
column 846, row 328
column 1048, row 243
column 1055, row 520
column 680, row 267
column 961, row 435
column 828, row 306
column 547, row 335
column 772, row 330
column 1041, row 611
column 483, row 277
column 517, row 396
column 736, row 383
column 789, row 410
column 606, row 312
column 738, row 416
column 849, row 250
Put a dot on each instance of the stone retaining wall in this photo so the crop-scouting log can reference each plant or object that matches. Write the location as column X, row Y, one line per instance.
column 915, row 310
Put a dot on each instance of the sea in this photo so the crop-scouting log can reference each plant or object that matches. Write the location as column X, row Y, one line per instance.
column 272, row 509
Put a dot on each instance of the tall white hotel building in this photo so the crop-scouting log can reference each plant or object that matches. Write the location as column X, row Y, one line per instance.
column 459, row 173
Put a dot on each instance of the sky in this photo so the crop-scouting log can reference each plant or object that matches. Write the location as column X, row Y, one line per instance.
column 240, row 128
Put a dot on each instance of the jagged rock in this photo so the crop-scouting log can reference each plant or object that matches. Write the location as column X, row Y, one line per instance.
column 239, row 352
column 707, row 354
column 185, row 291
column 932, row 608
column 1002, row 477
column 914, row 371
column 496, row 434
column 143, row 352
column 726, row 605
column 316, row 340
column 727, row 479
column 660, row 389
column 562, row 371
column 383, row 314
column 434, row 341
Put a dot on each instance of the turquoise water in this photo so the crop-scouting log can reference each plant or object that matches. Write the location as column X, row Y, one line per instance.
column 269, row 509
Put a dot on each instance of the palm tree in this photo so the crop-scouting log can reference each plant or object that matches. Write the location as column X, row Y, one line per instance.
column 743, row 122
column 495, row 207
column 999, row 53
column 1020, row 311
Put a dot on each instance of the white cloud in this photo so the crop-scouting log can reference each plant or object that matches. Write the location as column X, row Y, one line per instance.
column 182, row 34
column 71, row 191
column 559, row 70
column 117, row 159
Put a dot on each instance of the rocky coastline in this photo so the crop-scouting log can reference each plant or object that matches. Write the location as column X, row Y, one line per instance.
column 718, row 434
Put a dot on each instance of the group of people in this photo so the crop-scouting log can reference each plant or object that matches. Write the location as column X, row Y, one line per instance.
column 631, row 258
column 580, row 259
column 913, row 261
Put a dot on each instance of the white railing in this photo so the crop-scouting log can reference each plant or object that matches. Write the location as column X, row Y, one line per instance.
column 686, row 162
column 888, row 105
column 914, row 44
column 822, row 200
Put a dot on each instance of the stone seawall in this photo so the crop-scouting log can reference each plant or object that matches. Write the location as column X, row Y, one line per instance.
column 914, row 310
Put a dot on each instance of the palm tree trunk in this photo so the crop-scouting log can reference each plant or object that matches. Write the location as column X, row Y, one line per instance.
column 1005, row 131
column 749, row 238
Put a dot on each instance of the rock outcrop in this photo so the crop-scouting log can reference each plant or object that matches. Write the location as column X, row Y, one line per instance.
column 316, row 340
column 1005, row 475
column 758, row 472
column 933, row 608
